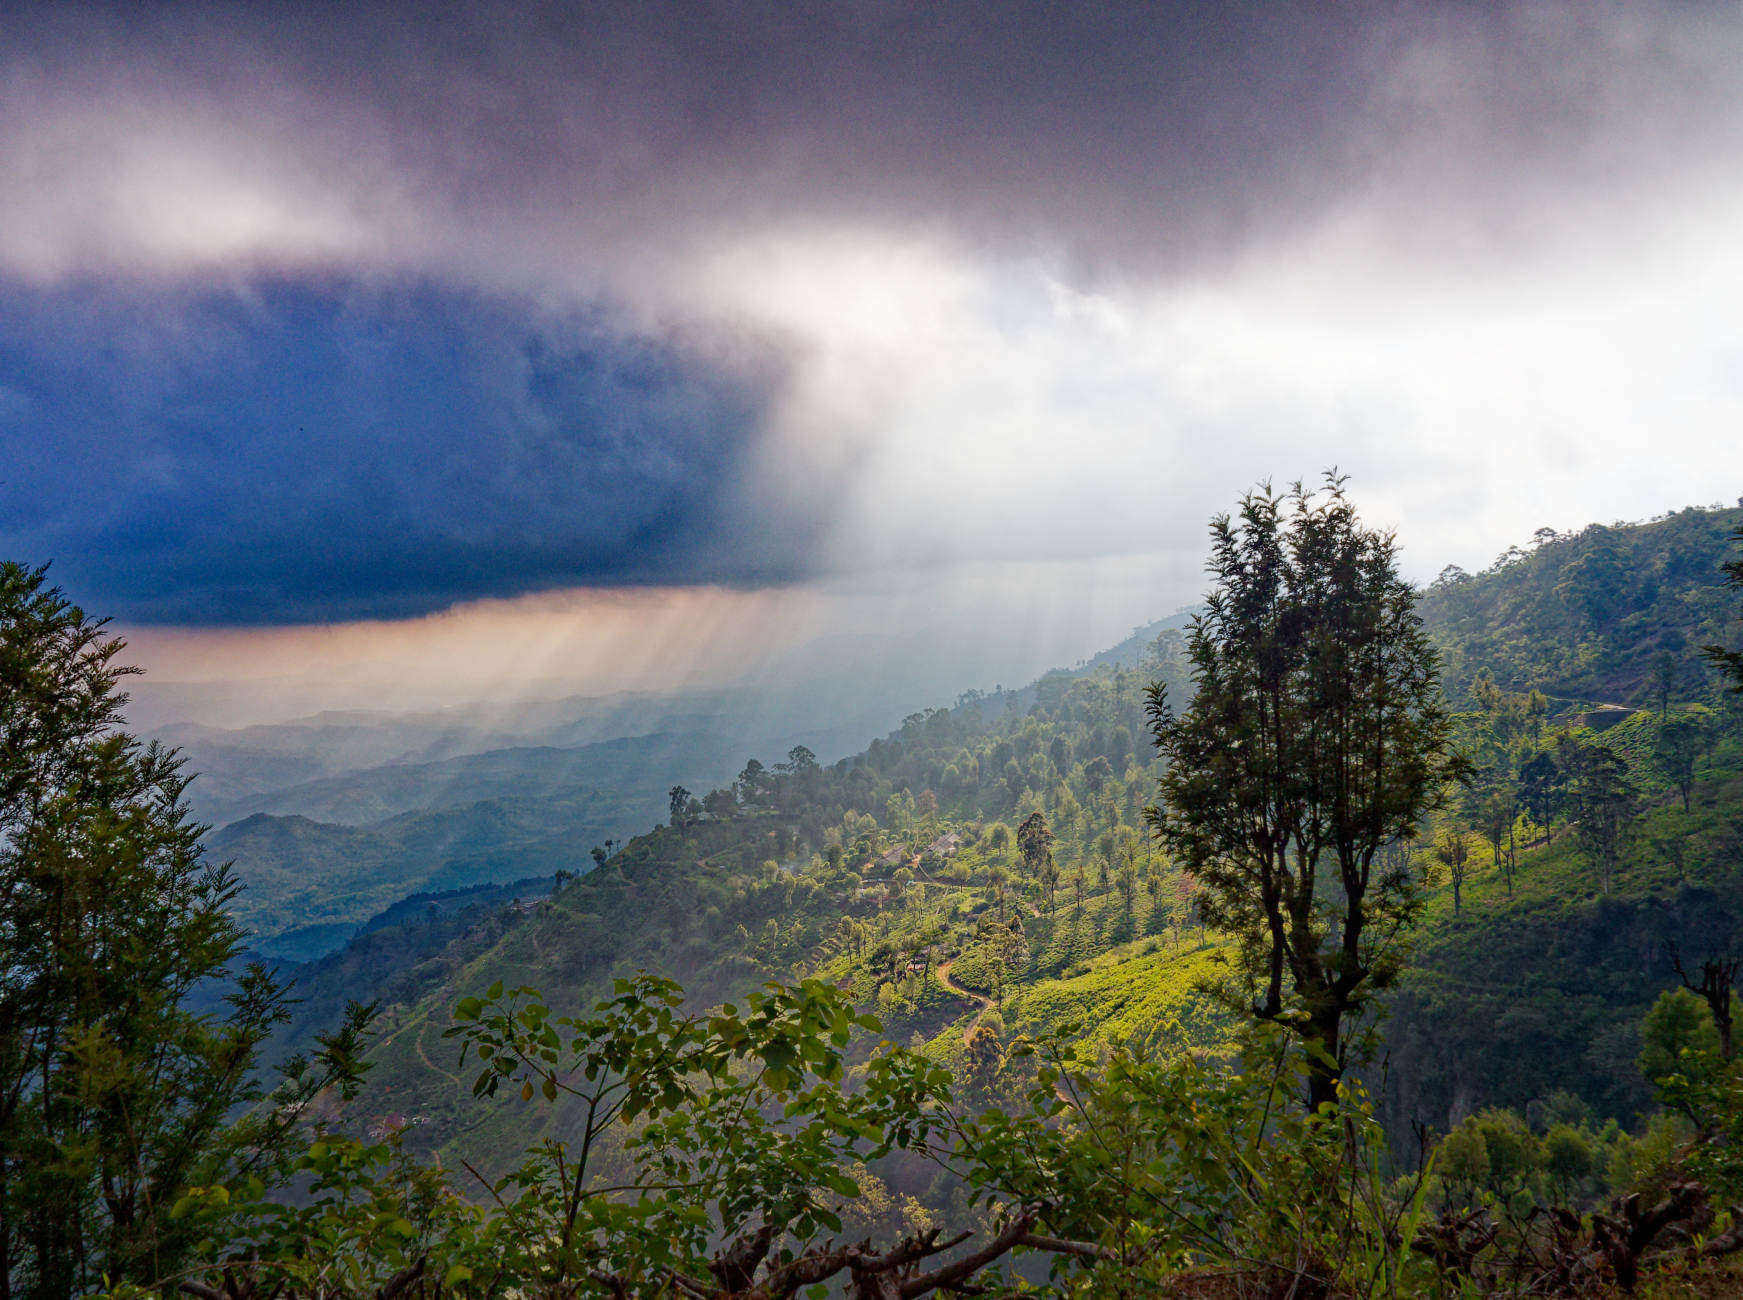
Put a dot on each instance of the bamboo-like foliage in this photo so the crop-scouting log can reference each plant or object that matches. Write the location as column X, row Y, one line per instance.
column 116, row 1094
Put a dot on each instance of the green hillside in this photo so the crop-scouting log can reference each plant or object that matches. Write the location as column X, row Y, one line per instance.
column 400, row 954
column 1526, row 992
column 1584, row 616
column 320, row 857
column 847, row 872
column 897, row 873
column 978, row 890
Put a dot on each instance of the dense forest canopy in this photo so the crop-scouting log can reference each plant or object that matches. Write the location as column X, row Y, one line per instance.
column 1589, row 617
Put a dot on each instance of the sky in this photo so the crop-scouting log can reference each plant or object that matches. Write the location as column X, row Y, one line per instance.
column 403, row 353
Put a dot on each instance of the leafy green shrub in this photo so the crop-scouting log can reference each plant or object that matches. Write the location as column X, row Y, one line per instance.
column 723, row 1154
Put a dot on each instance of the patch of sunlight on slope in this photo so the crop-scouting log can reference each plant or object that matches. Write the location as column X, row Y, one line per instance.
column 1134, row 996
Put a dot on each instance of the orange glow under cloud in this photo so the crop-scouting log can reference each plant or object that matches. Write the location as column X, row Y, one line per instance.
column 593, row 640
column 920, row 635
column 1018, row 459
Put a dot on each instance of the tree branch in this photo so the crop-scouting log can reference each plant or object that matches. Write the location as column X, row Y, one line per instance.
column 402, row 1279
column 970, row 1264
column 1084, row 1250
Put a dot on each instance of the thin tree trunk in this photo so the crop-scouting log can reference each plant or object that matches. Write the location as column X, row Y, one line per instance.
column 1324, row 1071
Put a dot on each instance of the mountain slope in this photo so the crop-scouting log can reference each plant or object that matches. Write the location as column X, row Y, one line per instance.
column 1541, row 989
column 1583, row 616
column 881, row 869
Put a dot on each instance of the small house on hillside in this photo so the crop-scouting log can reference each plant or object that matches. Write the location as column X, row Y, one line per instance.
column 890, row 858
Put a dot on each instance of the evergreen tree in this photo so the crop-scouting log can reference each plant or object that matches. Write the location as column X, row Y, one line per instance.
column 1452, row 849
column 1605, row 803
column 1678, row 747
column 1035, row 843
column 1665, row 674
column 1494, row 811
column 1542, row 789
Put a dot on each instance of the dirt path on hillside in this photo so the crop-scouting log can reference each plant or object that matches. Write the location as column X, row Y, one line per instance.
column 418, row 1043
column 950, row 986
column 420, row 1026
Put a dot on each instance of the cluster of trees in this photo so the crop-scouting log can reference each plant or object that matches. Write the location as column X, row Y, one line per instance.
column 1528, row 782
column 1557, row 1151
column 116, row 1096
column 787, row 785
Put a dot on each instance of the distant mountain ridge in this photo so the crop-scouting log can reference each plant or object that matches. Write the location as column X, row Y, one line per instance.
column 629, row 766
column 309, row 885
column 267, row 767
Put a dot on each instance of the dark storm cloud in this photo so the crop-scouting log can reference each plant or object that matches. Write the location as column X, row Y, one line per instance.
column 1157, row 136
column 309, row 453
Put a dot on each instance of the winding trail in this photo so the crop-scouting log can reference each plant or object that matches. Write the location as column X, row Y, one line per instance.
column 422, row 1025
column 950, row 986
column 425, row 1058
column 942, row 971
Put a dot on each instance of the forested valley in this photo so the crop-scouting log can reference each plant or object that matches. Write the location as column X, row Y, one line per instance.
column 1339, row 939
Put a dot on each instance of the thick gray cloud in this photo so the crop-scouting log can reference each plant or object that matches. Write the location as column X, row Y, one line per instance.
column 1127, row 136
